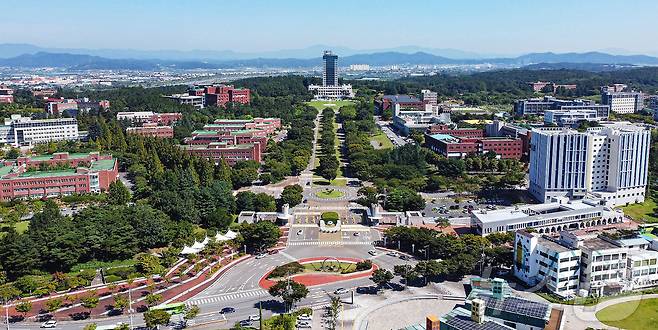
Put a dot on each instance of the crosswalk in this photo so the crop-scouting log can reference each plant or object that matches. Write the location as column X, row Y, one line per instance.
column 327, row 243
column 227, row 297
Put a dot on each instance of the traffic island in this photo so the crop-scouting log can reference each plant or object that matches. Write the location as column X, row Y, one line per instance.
column 319, row 271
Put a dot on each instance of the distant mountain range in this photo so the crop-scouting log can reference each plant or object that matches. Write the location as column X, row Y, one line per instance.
column 595, row 60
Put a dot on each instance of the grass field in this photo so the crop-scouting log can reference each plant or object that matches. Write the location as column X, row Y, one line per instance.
column 641, row 314
column 329, row 193
column 331, row 267
column 339, row 182
column 320, row 105
column 642, row 212
column 383, row 140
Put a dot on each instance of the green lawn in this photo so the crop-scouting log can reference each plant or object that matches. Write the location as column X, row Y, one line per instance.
column 329, row 193
column 338, row 182
column 642, row 314
column 642, row 212
column 331, row 266
column 320, row 105
column 383, row 140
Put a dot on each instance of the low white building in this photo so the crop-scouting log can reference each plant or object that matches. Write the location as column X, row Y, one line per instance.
column 21, row 131
column 553, row 217
column 331, row 92
column 408, row 120
column 566, row 117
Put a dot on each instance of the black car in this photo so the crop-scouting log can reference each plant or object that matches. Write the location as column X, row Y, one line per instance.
column 227, row 310
column 366, row 290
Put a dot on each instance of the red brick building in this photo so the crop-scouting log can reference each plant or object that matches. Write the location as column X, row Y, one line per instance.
column 232, row 153
column 152, row 129
column 6, row 94
column 267, row 125
column 219, row 95
column 459, row 147
column 460, row 132
column 56, row 175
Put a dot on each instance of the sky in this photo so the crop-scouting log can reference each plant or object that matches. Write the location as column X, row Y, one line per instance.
column 482, row 26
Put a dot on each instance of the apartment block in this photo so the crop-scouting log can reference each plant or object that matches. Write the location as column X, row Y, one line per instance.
column 429, row 97
column 609, row 162
column 32, row 177
column 140, row 117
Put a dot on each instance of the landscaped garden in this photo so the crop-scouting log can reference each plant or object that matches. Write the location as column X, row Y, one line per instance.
column 330, row 218
column 642, row 314
column 329, row 193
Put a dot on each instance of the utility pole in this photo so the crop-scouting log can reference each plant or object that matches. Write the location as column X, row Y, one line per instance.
column 130, row 306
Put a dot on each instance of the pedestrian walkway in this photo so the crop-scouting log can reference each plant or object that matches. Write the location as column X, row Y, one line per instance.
column 327, row 243
column 227, row 296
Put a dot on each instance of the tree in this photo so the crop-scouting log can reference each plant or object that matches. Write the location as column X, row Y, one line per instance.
column 191, row 312
column 244, row 201
column 429, row 269
column 381, row 277
column 153, row 298
column 219, row 219
column 91, row 326
column 154, row 318
column 122, row 326
column 407, row 272
column 24, row 307
column 291, row 195
column 290, row 291
column 260, row 235
column 118, row 194
column 53, row 304
column 120, row 302
column 333, row 310
column 90, row 302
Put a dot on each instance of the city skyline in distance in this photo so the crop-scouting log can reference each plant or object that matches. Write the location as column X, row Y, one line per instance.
column 472, row 29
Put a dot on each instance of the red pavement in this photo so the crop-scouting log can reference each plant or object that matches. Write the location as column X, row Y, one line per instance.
column 106, row 304
column 312, row 279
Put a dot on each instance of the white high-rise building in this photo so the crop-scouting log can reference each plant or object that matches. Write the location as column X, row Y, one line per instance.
column 330, row 89
column 609, row 162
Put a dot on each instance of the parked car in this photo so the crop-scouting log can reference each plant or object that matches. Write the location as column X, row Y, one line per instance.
column 341, row 291
column 303, row 325
column 304, row 317
column 260, row 256
column 366, row 290
column 393, row 254
column 49, row 324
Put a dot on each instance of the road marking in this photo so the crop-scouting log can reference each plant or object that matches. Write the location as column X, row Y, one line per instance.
column 327, row 243
column 226, row 297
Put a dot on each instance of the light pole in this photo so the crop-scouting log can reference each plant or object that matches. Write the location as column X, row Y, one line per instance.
column 130, row 306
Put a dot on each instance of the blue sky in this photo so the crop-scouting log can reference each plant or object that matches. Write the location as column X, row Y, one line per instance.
column 485, row 26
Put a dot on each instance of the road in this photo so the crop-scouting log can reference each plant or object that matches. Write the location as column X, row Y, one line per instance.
column 394, row 137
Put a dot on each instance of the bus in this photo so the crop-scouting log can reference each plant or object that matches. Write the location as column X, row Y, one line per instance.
column 175, row 308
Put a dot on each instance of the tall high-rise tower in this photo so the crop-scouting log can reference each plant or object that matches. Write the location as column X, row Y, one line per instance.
column 330, row 74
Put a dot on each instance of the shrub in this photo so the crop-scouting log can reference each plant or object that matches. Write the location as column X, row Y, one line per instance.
column 289, row 268
column 112, row 278
column 363, row 265
column 330, row 216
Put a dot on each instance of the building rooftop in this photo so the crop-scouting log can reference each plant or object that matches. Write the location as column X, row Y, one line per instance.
column 402, row 98
column 598, row 244
column 103, row 164
column 538, row 211
column 460, row 319
column 642, row 254
column 553, row 245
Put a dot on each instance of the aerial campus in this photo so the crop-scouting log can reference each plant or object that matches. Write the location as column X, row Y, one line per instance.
column 326, row 188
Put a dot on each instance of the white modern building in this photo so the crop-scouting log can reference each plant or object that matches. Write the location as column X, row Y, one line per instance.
column 330, row 89
column 583, row 264
column 623, row 102
column 567, row 117
column 21, row 131
column 553, row 217
column 609, row 162
column 196, row 101
column 429, row 97
column 409, row 119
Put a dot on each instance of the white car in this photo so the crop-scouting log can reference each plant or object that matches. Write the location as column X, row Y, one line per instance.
column 372, row 252
column 49, row 324
column 304, row 317
column 260, row 256
column 341, row 291
column 254, row 318
column 303, row 325
column 393, row 254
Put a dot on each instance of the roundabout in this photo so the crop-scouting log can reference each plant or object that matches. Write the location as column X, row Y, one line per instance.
column 321, row 270
column 330, row 193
